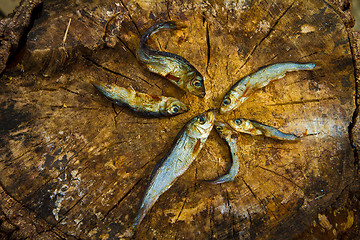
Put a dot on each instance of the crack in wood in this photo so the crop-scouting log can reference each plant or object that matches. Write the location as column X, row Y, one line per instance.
column 67, row 212
column 229, row 213
column 44, row 89
column 212, row 220
column 116, row 114
column 208, row 47
column 267, row 35
column 115, row 180
column 114, row 72
column 254, row 195
column 277, row 201
column 303, row 101
column 70, row 107
column 67, row 165
column 196, row 178
column 121, row 199
column 268, row 7
column 183, row 205
column 308, row 55
column 126, row 46
column 355, row 114
column 168, row 9
column 113, row 144
column 21, row 155
column 271, row 59
column 110, row 184
column 280, row 175
column 33, row 212
column 70, row 91
column 128, row 12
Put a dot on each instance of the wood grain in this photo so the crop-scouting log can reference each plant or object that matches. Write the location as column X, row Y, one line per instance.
column 81, row 163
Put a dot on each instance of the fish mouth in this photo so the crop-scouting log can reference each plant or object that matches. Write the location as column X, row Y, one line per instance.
column 210, row 114
column 226, row 129
column 219, row 124
column 223, row 110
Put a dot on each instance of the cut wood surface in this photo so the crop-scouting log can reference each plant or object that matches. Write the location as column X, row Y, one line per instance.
column 81, row 164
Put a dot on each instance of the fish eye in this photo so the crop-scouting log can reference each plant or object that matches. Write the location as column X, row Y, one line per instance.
column 219, row 128
column 226, row 101
column 237, row 121
column 197, row 83
column 175, row 109
column 201, row 119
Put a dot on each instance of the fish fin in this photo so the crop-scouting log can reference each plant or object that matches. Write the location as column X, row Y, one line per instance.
column 197, row 146
column 172, row 77
column 156, row 98
column 246, row 92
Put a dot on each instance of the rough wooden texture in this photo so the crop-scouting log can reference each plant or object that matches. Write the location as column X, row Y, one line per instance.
column 14, row 28
column 81, row 164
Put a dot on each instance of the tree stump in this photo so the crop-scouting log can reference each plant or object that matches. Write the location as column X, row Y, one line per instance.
column 81, row 164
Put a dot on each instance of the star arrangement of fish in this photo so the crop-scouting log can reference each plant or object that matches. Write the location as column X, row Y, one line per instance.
column 193, row 135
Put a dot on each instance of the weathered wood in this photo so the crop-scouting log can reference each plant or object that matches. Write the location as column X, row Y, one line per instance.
column 82, row 164
column 14, row 28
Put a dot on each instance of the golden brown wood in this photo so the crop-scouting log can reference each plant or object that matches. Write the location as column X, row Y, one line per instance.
column 82, row 164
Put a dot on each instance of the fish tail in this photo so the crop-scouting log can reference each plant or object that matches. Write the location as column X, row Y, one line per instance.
column 288, row 136
column 112, row 91
column 222, row 179
column 156, row 28
column 274, row 133
column 137, row 220
column 306, row 66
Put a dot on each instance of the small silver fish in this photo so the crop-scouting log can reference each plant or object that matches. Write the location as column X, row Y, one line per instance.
column 186, row 147
column 230, row 137
column 255, row 128
column 171, row 66
column 142, row 103
column 246, row 86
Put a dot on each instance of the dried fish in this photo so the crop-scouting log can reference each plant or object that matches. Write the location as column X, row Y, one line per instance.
column 142, row 103
column 173, row 67
column 249, row 84
column 184, row 150
column 255, row 128
column 230, row 137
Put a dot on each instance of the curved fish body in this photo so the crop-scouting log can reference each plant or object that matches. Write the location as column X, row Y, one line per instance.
column 171, row 66
column 186, row 147
column 246, row 86
column 230, row 137
column 255, row 128
column 142, row 103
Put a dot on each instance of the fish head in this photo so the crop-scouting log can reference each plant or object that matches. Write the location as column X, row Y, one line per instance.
column 229, row 102
column 224, row 130
column 174, row 106
column 195, row 83
column 240, row 124
column 201, row 125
